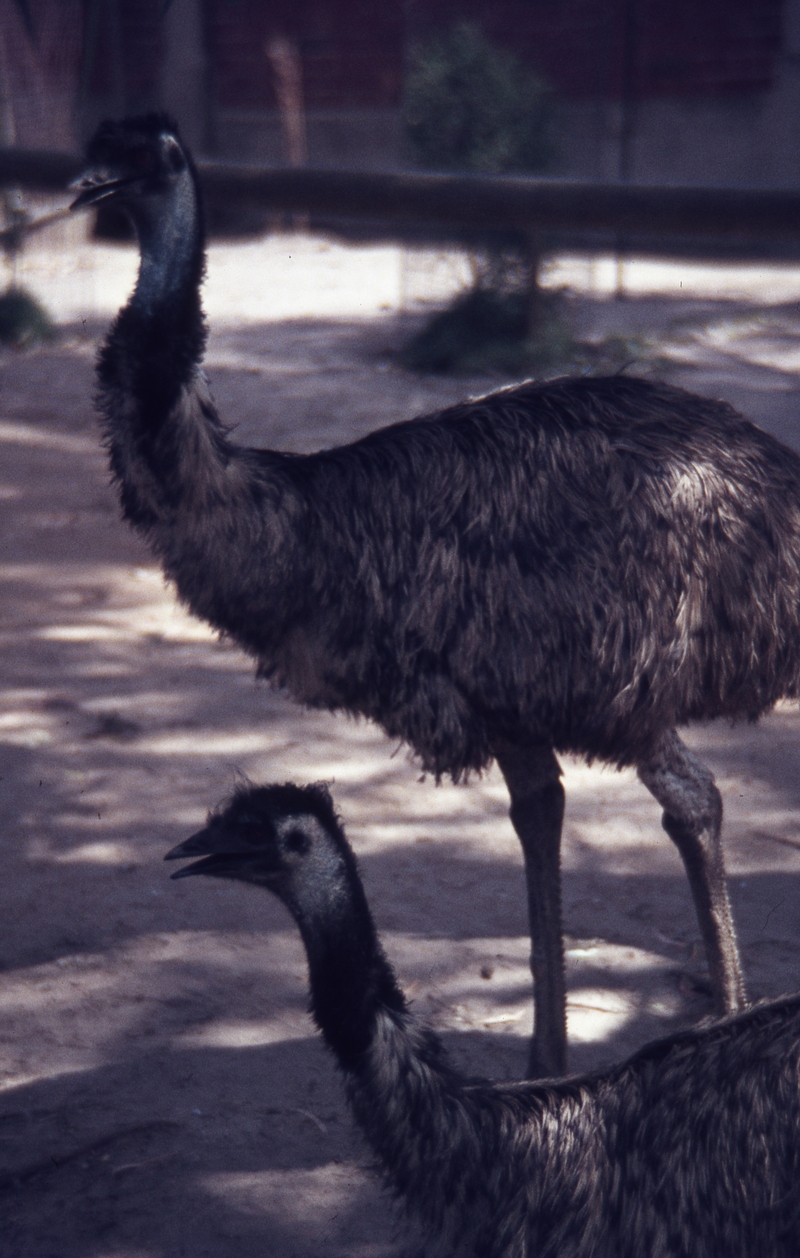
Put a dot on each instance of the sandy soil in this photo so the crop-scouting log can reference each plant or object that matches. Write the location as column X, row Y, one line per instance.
column 162, row 1092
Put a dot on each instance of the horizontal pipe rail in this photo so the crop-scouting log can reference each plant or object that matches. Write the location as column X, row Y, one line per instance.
column 475, row 202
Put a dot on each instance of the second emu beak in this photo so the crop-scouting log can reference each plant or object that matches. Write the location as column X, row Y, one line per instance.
column 199, row 844
column 220, row 852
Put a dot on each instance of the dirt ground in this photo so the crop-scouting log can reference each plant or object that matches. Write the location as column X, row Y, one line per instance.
column 162, row 1092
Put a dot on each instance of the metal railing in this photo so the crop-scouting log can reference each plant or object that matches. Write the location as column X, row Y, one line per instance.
column 748, row 218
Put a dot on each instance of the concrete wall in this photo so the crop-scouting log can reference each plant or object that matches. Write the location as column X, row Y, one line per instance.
column 751, row 139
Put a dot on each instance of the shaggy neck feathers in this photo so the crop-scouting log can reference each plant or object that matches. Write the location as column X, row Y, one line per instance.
column 350, row 979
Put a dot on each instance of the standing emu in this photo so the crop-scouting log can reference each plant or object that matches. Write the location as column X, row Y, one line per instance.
column 579, row 566
column 692, row 1147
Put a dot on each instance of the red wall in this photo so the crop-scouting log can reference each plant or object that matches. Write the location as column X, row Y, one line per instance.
column 352, row 50
column 123, row 51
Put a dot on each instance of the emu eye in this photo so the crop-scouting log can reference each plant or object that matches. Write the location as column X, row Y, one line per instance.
column 296, row 841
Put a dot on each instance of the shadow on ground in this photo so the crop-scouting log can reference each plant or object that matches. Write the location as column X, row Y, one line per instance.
column 161, row 1089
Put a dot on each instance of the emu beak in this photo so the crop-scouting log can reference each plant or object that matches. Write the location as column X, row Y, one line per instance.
column 97, row 185
column 204, row 843
column 224, row 855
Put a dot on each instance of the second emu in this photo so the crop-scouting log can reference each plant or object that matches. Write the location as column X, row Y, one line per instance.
column 690, row 1149
column 580, row 565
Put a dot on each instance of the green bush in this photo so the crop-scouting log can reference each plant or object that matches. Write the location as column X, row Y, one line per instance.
column 486, row 331
column 23, row 321
column 472, row 106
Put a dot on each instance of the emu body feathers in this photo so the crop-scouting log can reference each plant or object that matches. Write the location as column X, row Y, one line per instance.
column 581, row 564
column 513, row 568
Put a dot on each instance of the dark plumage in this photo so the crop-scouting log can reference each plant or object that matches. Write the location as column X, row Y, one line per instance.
column 582, row 564
column 692, row 1147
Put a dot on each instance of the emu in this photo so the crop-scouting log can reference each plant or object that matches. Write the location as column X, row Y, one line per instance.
column 692, row 1146
column 579, row 565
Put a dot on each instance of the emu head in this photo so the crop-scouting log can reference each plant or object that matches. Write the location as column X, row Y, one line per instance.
column 133, row 163
column 275, row 836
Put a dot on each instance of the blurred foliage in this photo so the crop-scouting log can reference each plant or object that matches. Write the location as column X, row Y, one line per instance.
column 485, row 332
column 479, row 332
column 472, row 106
column 23, row 322
column 503, row 325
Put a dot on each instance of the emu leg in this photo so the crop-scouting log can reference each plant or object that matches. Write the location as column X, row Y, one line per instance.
column 692, row 818
column 533, row 775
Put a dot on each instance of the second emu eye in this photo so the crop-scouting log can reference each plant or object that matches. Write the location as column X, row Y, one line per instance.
column 296, row 841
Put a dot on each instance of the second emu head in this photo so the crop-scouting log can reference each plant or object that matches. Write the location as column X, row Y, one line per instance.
column 262, row 834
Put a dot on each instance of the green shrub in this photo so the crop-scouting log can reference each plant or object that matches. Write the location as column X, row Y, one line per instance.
column 486, row 331
column 23, row 321
column 472, row 106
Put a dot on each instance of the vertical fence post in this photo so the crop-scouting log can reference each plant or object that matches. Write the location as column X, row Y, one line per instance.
column 533, row 262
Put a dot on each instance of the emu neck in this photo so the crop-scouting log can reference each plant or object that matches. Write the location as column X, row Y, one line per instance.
column 154, row 348
column 410, row 1104
column 166, row 443
column 351, row 980
column 171, row 244
column 407, row 1100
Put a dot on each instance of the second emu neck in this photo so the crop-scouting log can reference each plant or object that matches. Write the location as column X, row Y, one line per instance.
column 351, row 981
column 407, row 1100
